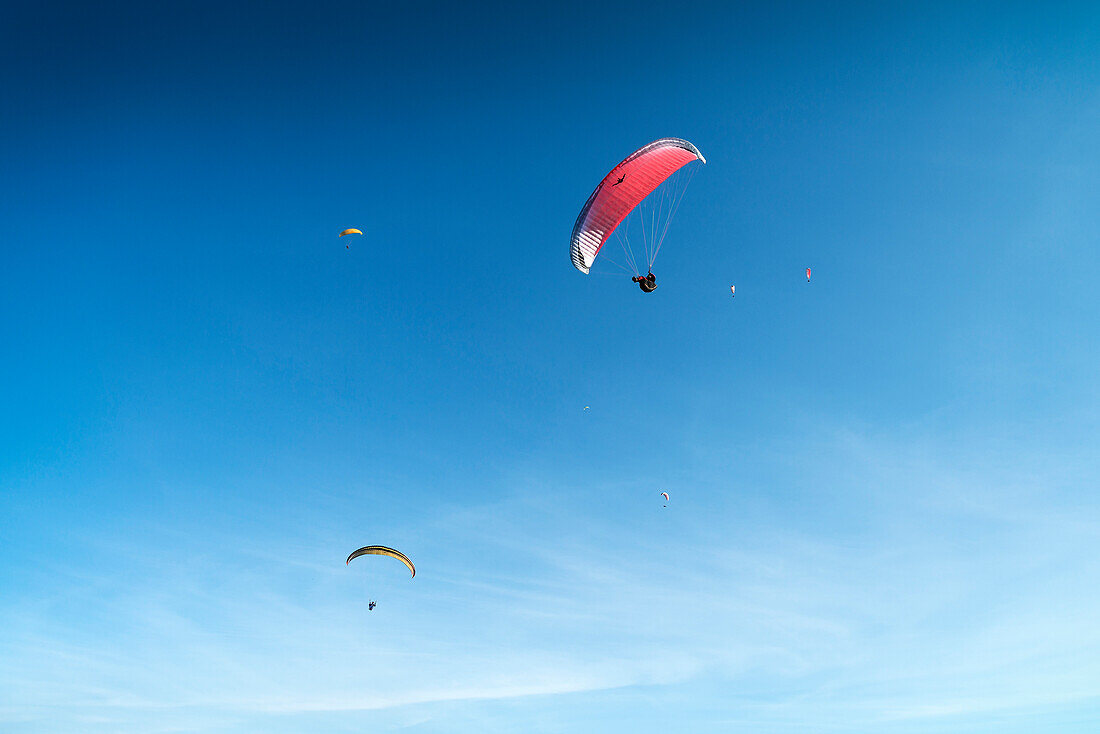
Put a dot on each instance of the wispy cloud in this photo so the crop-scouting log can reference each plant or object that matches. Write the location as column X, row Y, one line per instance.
column 965, row 587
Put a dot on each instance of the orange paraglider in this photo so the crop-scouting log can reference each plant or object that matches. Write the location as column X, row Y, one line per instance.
column 350, row 231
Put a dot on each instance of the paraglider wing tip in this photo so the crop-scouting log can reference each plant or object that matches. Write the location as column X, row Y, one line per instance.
column 687, row 145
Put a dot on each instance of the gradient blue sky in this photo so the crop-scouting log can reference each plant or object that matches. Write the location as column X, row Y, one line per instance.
column 885, row 514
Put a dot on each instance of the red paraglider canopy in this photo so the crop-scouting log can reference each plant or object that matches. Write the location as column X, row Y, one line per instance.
column 621, row 190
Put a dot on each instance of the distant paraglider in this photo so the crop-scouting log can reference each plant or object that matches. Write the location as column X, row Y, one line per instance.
column 733, row 290
column 586, row 409
column 665, row 495
column 349, row 231
column 625, row 187
column 807, row 275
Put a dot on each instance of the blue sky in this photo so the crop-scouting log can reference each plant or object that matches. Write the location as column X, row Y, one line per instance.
column 884, row 510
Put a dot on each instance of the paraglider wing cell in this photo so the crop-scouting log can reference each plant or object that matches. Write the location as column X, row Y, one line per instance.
column 643, row 171
column 381, row 550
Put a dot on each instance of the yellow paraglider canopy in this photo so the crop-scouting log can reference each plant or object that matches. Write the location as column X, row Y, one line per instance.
column 381, row 550
column 350, row 231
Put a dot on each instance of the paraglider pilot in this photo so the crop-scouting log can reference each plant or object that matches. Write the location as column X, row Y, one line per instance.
column 370, row 607
column 648, row 284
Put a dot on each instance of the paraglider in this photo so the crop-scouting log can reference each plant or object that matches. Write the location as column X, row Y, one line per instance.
column 586, row 409
column 349, row 231
column 665, row 495
column 648, row 284
column 609, row 205
column 733, row 290
column 381, row 550
column 807, row 275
